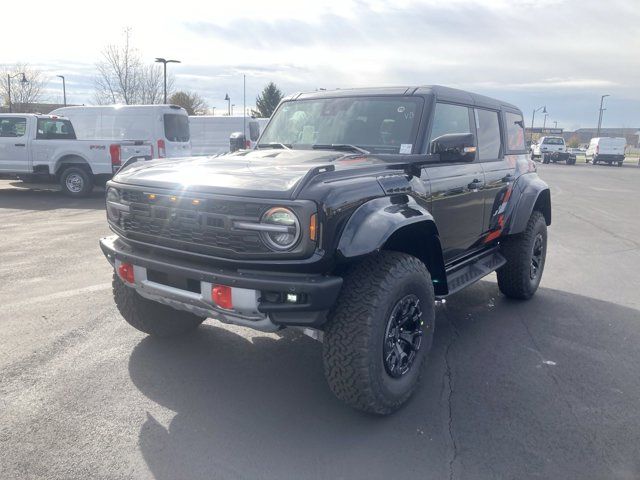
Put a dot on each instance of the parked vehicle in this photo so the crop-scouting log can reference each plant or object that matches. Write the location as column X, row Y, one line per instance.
column 608, row 150
column 210, row 134
column 44, row 148
column 547, row 145
column 166, row 127
column 357, row 209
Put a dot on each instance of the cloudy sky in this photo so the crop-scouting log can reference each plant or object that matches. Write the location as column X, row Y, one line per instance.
column 562, row 54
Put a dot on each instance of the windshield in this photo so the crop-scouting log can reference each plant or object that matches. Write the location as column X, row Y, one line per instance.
column 553, row 141
column 376, row 124
column 176, row 127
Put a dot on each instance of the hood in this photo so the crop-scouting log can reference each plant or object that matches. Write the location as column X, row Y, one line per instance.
column 272, row 173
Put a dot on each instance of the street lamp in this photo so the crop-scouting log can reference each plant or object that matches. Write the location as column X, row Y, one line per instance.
column 232, row 108
column 544, row 123
column 544, row 110
column 555, row 124
column 22, row 81
column 228, row 99
column 64, row 90
column 600, row 116
column 164, row 62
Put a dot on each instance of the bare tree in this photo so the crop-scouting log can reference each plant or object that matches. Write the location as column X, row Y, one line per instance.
column 124, row 78
column 22, row 93
column 193, row 103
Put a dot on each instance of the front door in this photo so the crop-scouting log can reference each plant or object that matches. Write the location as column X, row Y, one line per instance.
column 457, row 198
column 14, row 155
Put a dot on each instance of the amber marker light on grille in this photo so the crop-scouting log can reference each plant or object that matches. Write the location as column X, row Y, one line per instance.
column 151, row 196
column 313, row 227
column 195, row 202
column 173, row 198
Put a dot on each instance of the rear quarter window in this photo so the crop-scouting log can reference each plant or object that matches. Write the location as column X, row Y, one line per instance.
column 515, row 132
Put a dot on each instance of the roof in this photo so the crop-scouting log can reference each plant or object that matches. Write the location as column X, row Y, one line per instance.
column 441, row 92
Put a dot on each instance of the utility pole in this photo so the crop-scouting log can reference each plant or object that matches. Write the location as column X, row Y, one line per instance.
column 244, row 105
column 555, row 124
column 9, row 77
column 164, row 62
column 544, row 110
column 600, row 116
column 64, row 90
column 228, row 99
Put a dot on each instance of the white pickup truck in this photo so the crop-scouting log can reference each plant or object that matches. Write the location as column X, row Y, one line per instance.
column 44, row 148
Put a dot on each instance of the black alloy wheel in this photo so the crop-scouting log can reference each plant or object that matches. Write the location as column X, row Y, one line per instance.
column 403, row 336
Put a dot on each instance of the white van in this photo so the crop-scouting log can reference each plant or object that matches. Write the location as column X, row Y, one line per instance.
column 166, row 127
column 210, row 135
column 606, row 150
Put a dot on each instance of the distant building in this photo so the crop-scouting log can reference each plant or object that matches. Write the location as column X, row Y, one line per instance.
column 584, row 135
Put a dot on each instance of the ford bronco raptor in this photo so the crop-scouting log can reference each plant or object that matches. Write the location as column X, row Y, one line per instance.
column 354, row 213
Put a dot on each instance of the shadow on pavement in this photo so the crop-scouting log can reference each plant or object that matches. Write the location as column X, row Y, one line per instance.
column 46, row 197
column 542, row 388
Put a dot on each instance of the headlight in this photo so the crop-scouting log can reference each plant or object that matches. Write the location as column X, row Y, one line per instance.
column 114, row 207
column 280, row 228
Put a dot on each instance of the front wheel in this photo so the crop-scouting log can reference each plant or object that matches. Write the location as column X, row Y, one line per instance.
column 526, row 253
column 151, row 317
column 380, row 332
column 76, row 182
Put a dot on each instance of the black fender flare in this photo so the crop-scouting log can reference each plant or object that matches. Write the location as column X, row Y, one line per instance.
column 530, row 193
column 375, row 222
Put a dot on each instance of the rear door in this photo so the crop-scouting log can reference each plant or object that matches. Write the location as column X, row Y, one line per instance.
column 14, row 153
column 457, row 198
column 499, row 170
column 176, row 135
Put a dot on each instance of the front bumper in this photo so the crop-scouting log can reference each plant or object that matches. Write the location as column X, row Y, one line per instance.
column 253, row 291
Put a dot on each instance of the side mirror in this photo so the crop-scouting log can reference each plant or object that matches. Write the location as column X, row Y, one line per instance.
column 455, row 147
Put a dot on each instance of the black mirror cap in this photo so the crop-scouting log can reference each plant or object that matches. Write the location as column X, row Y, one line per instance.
column 455, row 147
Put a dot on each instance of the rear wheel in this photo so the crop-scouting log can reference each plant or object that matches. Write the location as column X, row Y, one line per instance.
column 76, row 182
column 380, row 333
column 151, row 317
column 526, row 253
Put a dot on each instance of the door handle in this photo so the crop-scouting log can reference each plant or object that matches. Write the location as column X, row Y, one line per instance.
column 474, row 185
column 508, row 178
column 20, row 145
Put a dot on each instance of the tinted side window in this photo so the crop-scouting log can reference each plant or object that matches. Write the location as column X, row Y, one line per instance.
column 12, row 126
column 55, row 129
column 450, row 119
column 515, row 132
column 488, row 129
column 254, row 131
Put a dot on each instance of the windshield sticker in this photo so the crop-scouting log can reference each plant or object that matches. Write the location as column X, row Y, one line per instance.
column 400, row 109
column 405, row 148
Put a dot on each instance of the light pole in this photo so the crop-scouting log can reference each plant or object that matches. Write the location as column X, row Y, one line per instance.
column 64, row 90
column 228, row 99
column 22, row 81
column 533, row 116
column 600, row 116
column 213, row 111
column 164, row 62
column 232, row 108
column 555, row 124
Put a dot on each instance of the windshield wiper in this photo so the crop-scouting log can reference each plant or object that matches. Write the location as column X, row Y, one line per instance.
column 274, row 145
column 340, row 146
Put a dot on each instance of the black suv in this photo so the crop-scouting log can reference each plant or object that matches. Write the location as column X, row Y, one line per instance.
column 356, row 211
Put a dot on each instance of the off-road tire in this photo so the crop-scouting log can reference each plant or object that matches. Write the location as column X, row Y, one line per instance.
column 355, row 333
column 83, row 181
column 514, row 278
column 151, row 317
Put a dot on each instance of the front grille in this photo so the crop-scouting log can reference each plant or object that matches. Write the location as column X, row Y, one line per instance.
column 202, row 227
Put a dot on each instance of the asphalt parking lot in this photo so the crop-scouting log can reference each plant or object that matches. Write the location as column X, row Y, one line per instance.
column 543, row 389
